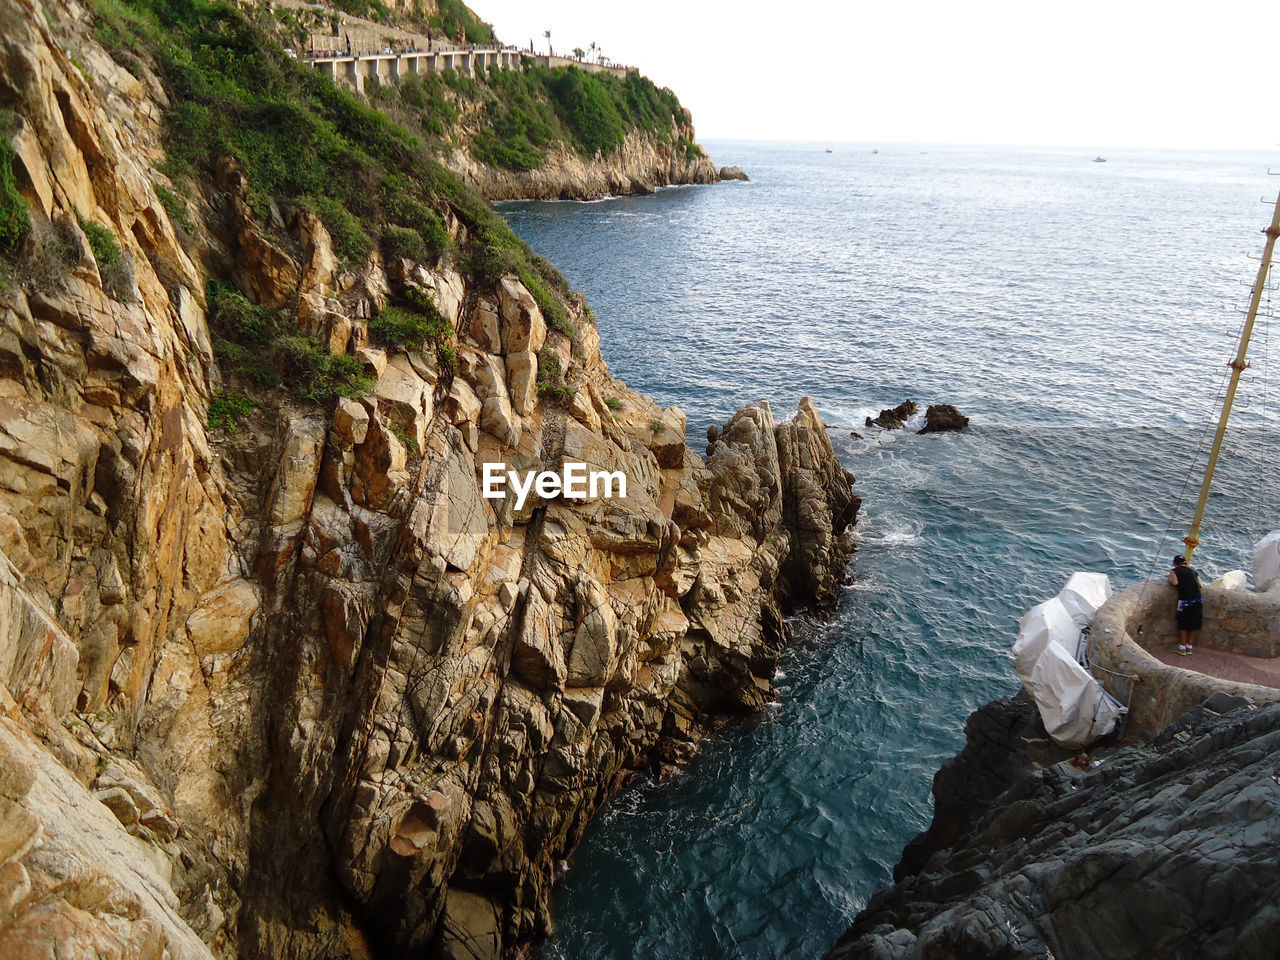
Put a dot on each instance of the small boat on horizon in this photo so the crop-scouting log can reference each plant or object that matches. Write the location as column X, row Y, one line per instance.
column 1099, row 159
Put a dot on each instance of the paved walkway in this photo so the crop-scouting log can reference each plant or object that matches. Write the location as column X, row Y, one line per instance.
column 1224, row 665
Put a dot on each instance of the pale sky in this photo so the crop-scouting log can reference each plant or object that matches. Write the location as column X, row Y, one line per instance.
column 1084, row 73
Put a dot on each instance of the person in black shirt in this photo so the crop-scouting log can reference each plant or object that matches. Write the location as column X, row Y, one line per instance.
column 1190, row 604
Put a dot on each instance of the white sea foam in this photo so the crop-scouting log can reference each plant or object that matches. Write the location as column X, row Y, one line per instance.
column 888, row 530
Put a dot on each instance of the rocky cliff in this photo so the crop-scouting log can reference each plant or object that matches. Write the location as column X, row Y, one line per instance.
column 516, row 135
column 297, row 689
column 1159, row 850
column 639, row 166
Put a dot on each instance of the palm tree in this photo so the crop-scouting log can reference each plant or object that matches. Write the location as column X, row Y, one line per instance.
column 579, row 53
column 547, row 34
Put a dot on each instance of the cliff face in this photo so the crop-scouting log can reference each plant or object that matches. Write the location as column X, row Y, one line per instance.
column 299, row 690
column 641, row 165
column 1162, row 850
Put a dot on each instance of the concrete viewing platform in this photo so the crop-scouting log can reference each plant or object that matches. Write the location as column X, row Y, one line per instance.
column 389, row 65
column 1131, row 645
column 1223, row 664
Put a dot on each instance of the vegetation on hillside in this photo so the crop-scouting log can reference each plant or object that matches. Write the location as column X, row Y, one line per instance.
column 300, row 140
column 452, row 18
column 527, row 111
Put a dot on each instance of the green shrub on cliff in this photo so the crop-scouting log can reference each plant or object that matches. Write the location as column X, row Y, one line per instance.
column 15, row 222
column 514, row 153
column 689, row 150
column 404, row 243
column 113, row 264
column 350, row 239
column 400, row 326
column 295, row 136
column 259, row 345
column 174, row 207
column 425, row 96
column 405, row 211
column 551, row 377
column 584, row 101
column 552, row 309
column 527, row 111
column 522, row 121
column 226, row 410
column 233, row 315
column 490, row 258
column 416, row 323
column 316, row 374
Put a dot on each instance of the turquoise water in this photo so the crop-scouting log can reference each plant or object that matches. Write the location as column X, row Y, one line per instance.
column 1079, row 313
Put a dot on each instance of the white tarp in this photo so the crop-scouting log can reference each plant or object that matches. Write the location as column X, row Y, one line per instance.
column 1076, row 711
column 1084, row 594
column 1266, row 561
column 1231, row 580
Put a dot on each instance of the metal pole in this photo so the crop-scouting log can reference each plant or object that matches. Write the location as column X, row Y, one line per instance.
column 1192, row 540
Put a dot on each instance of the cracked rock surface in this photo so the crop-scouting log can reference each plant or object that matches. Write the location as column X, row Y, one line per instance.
column 1162, row 850
column 299, row 690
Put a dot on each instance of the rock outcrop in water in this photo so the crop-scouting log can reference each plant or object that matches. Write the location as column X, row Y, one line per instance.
column 1162, row 850
column 893, row 418
column 298, row 690
column 943, row 417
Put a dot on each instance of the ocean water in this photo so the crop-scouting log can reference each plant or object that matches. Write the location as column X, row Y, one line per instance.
column 1080, row 313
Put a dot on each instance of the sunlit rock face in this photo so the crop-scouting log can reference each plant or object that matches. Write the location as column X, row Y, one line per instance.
column 300, row 689
column 640, row 165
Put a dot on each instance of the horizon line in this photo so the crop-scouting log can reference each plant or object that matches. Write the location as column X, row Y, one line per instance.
column 988, row 143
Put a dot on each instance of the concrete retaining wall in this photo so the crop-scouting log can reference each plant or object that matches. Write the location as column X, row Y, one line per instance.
column 354, row 69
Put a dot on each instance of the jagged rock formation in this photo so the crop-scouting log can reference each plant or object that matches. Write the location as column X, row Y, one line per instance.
column 943, row 417
column 892, row 418
column 641, row 165
column 1161, row 850
column 300, row 691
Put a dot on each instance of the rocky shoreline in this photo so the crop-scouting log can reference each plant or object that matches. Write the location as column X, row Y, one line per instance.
column 638, row 167
column 297, row 689
column 1162, row 849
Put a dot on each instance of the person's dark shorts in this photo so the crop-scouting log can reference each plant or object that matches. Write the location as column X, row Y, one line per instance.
column 1190, row 616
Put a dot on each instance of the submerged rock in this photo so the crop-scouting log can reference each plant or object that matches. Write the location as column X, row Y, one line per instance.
column 942, row 417
column 1160, row 850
